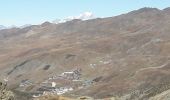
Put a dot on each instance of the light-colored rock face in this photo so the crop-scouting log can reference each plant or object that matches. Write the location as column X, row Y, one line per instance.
column 126, row 56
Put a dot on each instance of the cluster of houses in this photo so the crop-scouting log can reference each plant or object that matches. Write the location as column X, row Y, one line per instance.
column 54, row 90
column 71, row 75
column 60, row 84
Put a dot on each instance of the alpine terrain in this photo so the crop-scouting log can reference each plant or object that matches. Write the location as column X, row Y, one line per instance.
column 125, row 57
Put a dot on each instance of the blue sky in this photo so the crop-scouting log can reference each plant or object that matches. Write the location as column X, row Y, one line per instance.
column 19, row 12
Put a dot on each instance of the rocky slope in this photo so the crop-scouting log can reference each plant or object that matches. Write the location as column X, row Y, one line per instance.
column 125, row 56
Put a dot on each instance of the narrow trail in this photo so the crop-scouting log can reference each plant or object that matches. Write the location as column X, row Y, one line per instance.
column 148, row 68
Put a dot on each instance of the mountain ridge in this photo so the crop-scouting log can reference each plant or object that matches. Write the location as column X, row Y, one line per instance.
column 125, row 56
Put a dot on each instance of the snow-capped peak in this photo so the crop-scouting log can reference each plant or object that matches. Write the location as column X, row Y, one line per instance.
column 2, row 27
column 83, row 16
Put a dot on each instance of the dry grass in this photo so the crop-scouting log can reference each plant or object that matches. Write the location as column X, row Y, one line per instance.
column 53, row 97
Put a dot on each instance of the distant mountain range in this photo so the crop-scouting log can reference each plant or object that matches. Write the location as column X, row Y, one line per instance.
column 2, row 27
column 83, row 16
column 13, row 26
column 125, row 56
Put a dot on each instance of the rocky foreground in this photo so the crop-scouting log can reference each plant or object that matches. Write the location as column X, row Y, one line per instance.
column 5, row 94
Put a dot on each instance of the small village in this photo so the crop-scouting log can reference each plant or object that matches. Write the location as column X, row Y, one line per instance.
column 58, row 84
